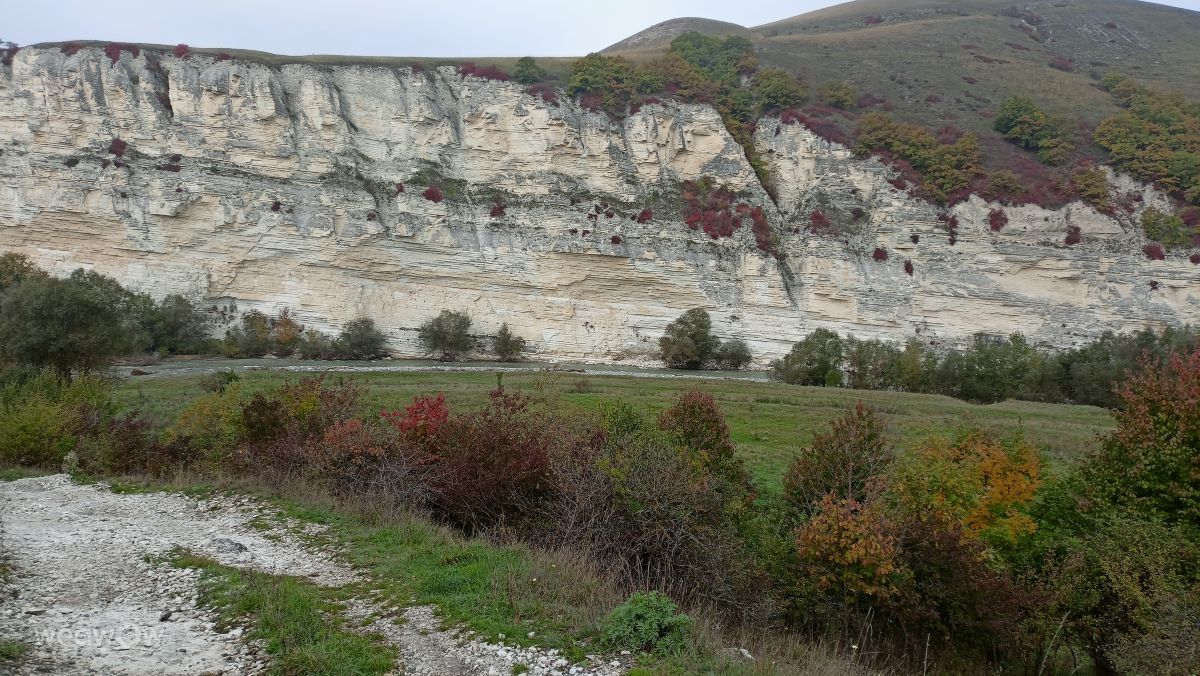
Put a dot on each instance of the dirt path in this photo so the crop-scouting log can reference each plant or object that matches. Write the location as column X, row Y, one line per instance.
column 89, row 594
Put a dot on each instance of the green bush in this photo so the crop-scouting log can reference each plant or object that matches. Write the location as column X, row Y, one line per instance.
column 840, row 462
column 733, row 355
column 1119, row 590
column 212, row 424
column 360, row 339
column 775, row 89
column 447, row 335
column 838, row 94
column 1166, row 229
column 688, row 342
column 506, row 346
column 527, row 71
column 816, row 360
column 43, row 417
column 1023, row 123
column 648, row 622
column 251, row 338
column 69, row 325
column 218, row 381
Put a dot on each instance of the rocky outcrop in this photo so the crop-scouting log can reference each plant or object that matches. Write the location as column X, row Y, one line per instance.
column 266, row 187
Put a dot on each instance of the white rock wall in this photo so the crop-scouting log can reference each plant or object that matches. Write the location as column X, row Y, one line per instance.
column 330, row 143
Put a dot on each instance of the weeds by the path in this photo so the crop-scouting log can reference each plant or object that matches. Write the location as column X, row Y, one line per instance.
column 299, row 623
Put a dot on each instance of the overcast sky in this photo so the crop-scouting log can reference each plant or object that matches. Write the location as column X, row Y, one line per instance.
column 381, row 27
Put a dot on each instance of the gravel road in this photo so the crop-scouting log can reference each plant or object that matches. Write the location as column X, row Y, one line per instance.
column 89, row 593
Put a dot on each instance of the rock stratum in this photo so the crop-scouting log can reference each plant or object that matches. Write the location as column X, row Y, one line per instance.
column 276, row 186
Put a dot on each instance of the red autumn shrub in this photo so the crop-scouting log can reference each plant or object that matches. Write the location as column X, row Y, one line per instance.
column 544, row 91
column 471, row 69
column 868, row 100
column 609, row 213
column 371, row 216
column 644, row 216
column 898, row 183
column 1194, row 258
column 70, row 48
column 849, row 549
column 223, row 56
column 1062, row 63
column 950, row 134
column 818, row 220
column 933, row 98
column 585, row 233
column 493, row 463
column 1154, row 285
column 182, row 51
column 908, row 268
column 873, row 20
column 399, row 189
column 997, row 219
column 710, row 207
column 616, row 239
column 916, row 239
column 422, row 418
column 763, row 238
column 170, row 166
column 113, row 50
column 591, row 101
column 497, row 210
column 117, row 147
column 879, row 255
column 433, row 194
column 1154, row 251
column 1074, row 235
column 276, row 206
column 1191, row 217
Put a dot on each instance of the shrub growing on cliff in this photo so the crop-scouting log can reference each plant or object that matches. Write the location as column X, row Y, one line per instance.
column 15, row 267
column 506, row 346
column 446, row 335
column 997, row 219
column 1166, row 228
column 433, row 194
column 688, row 342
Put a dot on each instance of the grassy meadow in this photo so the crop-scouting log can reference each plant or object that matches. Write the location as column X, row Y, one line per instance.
column 768, row 420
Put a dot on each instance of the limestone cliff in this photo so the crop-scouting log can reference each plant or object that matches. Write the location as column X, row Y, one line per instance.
column 277, row 186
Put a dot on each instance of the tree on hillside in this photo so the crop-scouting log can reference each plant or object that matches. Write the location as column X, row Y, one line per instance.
column 64, row 324
column 527, row 71
column 688, row 342
column 776, row 89
column 447, row 334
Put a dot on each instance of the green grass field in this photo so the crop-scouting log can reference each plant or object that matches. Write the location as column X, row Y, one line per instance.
column 769, row 421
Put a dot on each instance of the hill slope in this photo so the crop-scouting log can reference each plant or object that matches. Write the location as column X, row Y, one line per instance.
column 942, row 61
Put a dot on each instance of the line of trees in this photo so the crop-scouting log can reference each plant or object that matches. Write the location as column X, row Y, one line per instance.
column 990, row 369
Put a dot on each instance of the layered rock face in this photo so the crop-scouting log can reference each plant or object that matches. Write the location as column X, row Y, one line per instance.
column 271, row 187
